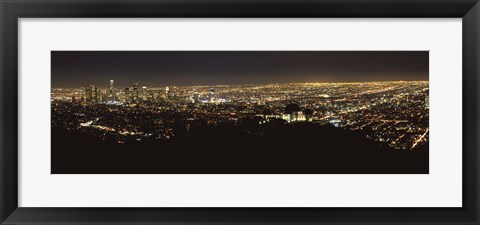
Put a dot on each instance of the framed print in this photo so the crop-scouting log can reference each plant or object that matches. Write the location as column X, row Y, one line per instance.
column 229, row 112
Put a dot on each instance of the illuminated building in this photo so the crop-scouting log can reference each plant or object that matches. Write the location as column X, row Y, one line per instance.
column 135, row 92
column 91, row 94
column 144, row 93
column 88, row 94
column 293, row 113
column 212, row 95
column 111, row 91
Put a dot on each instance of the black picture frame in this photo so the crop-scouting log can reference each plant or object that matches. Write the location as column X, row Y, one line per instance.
column 12, row 10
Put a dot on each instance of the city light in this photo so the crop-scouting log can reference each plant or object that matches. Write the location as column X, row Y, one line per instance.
column 394, row 114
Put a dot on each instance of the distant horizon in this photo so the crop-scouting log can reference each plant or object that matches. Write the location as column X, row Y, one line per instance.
column 251, row 84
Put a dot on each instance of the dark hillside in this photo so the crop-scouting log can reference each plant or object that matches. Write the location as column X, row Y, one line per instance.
column 302, row 148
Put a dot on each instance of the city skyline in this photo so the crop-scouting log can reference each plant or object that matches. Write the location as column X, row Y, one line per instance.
column 334, row 106
column 246, row 122
column 189, row 68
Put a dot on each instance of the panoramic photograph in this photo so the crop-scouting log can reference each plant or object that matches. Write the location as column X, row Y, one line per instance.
column 239, row 112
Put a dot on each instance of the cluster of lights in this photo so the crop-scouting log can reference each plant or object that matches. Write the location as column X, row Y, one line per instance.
column 391, row 113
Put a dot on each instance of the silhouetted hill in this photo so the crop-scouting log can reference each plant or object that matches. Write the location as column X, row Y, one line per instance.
column 302, row 148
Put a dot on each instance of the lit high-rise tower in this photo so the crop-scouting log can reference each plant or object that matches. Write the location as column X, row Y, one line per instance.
column 88, row 94
column 144, row 93
column 212, row 95
column 91, row 94
column 135, row 92
column 111, row 91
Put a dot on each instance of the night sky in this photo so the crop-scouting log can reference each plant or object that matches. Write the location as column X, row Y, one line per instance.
column 160, row 68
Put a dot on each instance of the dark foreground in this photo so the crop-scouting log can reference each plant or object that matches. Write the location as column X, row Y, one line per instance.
column 288, row 149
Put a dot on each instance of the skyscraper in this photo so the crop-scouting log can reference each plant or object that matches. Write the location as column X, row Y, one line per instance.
column 91, row 94
column 135, row 92
column 88, row 94
column 144, row 93
column 212, row 95
column 126, row 95
column 167, row 92
column 111, row 91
